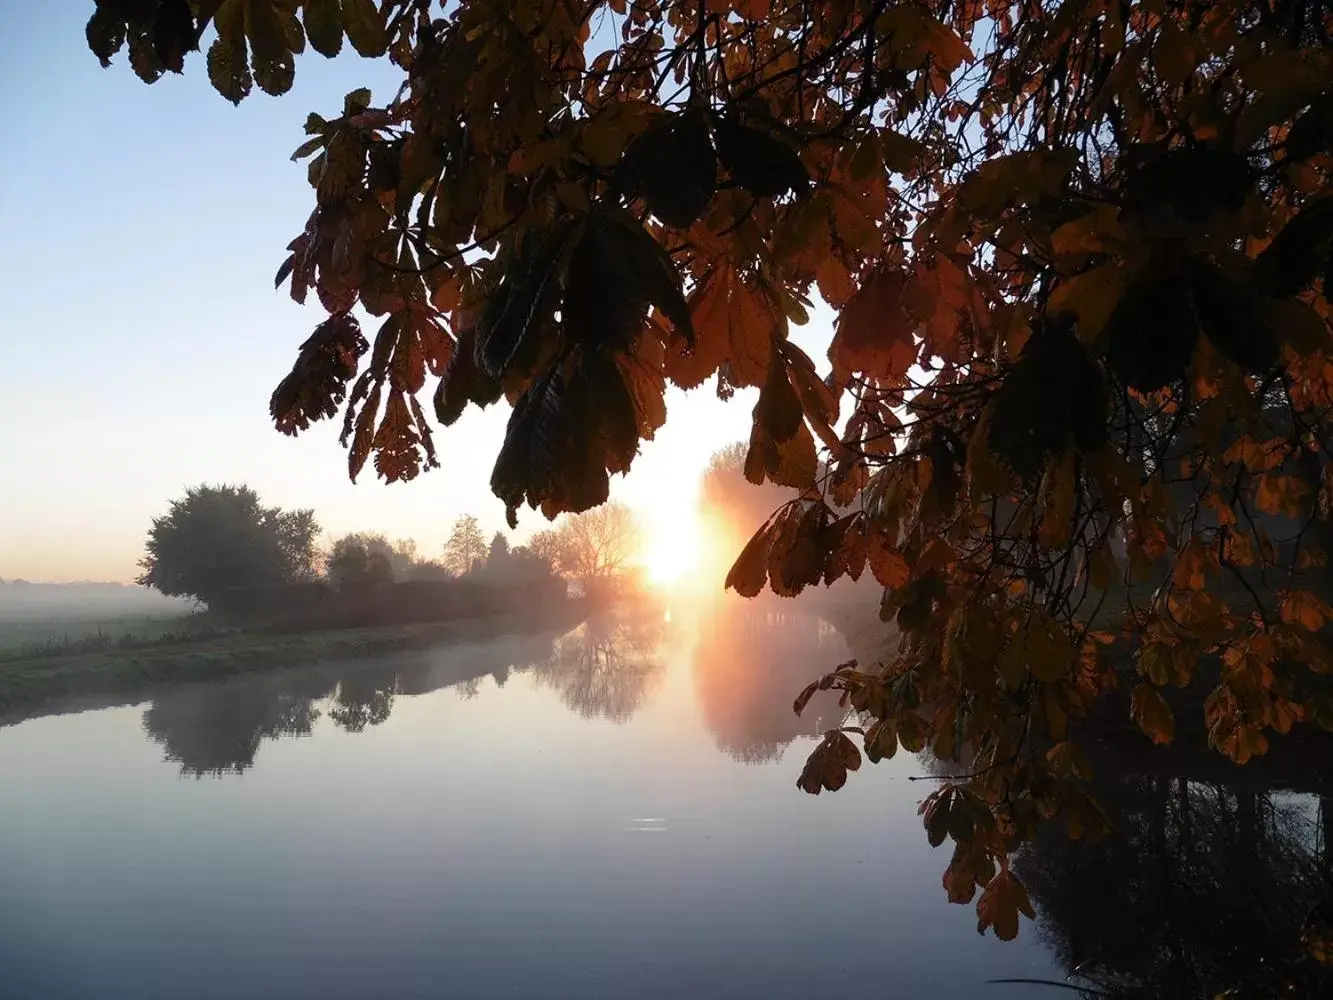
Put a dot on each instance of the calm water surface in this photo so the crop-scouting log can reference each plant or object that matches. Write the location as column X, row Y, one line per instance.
column 609, row 813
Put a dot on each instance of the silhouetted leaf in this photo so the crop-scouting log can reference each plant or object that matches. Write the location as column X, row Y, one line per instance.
column 762, row 164
column 1312, row 131
column 672, row 166
column 881, row 740
column 654, row 277
column 1053, row 398
column 1151, row 335
column 143, row 56
column 318, row 380
column 818, row 401
column 174, row 34
column 610, row 409
column 365, row 27
column 1232, row 316
column 568, row 430
column 846, row 544
column 228, row 65
column 511, row 327
column 463, row 382
column 1196, row 180
column 323, row 25
column 781, row 446
column 363, row 434
column 728, row 311
column 749, row 573
column 610, row 282
column 779, row 408
column 105, row 33
column 271, row 56
column 796, row 559
column 1297, row 252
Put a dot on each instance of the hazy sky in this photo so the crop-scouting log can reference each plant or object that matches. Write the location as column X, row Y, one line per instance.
column 140, row 228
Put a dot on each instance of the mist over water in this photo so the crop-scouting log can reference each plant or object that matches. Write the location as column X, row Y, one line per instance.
column 611, row 812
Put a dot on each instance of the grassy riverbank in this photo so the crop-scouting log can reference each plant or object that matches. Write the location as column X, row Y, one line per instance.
column 81, row 668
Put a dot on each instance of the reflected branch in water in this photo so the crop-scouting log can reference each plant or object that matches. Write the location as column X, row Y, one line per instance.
column 358, row 706
column 366, row 692
column 1201, row 890
column 217, row 730
column 606, row 668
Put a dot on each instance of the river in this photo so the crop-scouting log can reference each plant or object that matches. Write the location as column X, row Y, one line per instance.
column 606, row 813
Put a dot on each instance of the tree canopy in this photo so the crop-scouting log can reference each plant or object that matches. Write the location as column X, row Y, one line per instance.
column 216, row 540
column 594, row 547
column 1079, row 255
column 361, row 558
column 466, row 546
column 370, row 557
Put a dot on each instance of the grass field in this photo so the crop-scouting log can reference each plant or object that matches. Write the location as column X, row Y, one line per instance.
column 24, row 635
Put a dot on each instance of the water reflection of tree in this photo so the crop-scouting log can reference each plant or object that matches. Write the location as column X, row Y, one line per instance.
column 218, row 729
column 606, row 667
column 1200, row 890
column 364, row 698
column 749, row 665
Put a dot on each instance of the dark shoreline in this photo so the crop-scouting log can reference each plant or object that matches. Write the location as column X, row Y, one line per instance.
column 46, row 685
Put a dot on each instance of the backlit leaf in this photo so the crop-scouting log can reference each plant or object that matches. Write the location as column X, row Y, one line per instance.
column 749, row 573
column 829, row 763
column 1000, row 904
column 886, row 562
column 874, row 333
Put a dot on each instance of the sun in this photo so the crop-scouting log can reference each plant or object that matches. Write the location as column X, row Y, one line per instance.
column 672, row 546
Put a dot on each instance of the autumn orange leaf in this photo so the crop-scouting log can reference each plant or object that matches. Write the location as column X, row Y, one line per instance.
column 1000, row 904
column 730, row 311
column 829, row 762
column 886, row 561
column 1300, row 607
column 874, row 333
column 749, row 573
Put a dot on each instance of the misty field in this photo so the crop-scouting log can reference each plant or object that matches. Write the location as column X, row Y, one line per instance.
column 27, row 635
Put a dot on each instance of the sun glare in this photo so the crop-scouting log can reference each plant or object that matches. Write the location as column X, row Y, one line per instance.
column 671, row 546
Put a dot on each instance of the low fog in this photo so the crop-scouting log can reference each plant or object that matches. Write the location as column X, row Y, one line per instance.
column 21, row 600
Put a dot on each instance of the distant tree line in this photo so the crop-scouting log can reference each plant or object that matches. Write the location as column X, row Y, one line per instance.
column 217, row 541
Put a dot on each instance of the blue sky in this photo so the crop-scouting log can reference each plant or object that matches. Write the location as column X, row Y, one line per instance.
column 141, row 230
